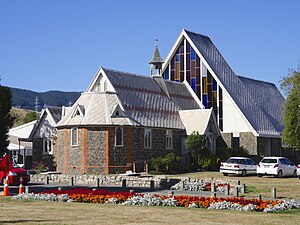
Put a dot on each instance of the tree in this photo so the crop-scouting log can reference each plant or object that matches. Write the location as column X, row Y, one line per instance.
column 6, row 119
column 202, row 156
column 291, row 115
column 30, row 116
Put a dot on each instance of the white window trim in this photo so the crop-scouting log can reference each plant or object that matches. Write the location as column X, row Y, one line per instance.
column 147, row 132
column 169, row 136
column 46, row 143
column 72, row 136
column 122, row 144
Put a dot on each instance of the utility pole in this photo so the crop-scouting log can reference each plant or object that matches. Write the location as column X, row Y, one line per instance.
column 36, row 104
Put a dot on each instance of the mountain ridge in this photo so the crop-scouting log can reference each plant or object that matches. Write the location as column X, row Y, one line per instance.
column 25, row 99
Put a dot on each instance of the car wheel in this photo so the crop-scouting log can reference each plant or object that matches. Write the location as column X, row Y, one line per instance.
column 295, row 173
column 279, row 173
column 225, row 174
column 244, row 173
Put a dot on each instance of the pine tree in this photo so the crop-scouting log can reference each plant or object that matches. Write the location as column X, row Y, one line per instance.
column 6, row 119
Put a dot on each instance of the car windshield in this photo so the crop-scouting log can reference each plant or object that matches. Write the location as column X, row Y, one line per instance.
column 236, row 161
column 269, row 161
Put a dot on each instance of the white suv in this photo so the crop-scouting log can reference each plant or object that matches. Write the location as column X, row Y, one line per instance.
column 277, row 166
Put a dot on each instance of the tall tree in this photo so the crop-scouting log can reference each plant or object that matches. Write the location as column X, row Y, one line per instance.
column 6, row 119
column 291, row 86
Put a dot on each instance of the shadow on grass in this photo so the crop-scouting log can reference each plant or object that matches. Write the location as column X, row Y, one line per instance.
column 25, row 221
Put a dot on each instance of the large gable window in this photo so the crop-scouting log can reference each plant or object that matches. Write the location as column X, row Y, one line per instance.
column 119, row 136
column 169, row 139
column 148, row 138
column 74, row 136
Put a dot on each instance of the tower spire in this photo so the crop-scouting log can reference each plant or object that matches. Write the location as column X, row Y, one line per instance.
column 156, row 61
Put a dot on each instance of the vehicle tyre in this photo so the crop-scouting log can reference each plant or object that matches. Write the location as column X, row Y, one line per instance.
column 244, row 173
column 295, row 173
column 259, row 175
column 226, row 174
column 279, row 174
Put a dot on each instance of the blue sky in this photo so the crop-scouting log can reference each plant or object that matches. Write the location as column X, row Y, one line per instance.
column 60, row 44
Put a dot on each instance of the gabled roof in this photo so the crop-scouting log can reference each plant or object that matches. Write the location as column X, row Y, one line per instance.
column 146, row 104
column 55, row 112
column 141, row 98
column 233, row 85
column 198, row 121
column 268, row 98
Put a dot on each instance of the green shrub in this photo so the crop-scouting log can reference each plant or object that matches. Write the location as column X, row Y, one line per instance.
column 169, row 163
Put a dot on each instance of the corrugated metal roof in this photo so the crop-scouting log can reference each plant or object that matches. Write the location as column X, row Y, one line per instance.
column 269, row 99
column 146, row 104
column 234, row 86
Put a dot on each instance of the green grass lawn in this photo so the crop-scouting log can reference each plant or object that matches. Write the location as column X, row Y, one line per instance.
column 39, row 212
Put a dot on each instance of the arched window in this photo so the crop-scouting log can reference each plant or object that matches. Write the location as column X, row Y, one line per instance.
column 119, row 136
column 74, row 136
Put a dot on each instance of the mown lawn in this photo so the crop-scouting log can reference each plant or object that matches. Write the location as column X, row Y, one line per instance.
column 39, row 212
column 288, row 188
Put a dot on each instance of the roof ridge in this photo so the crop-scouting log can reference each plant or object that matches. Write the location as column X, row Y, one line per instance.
column 196, row 33
column 250, row 78
column 138, row 75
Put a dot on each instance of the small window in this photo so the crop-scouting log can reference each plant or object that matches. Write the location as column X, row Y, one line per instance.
column 47, row 146
column 74, row 136
column 105, row 86
column 119, row 136
column 148, row 138
column 169, row 139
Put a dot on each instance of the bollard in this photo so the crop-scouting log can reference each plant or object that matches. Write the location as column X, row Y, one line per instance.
column 259, row 197
column 47, row 180
column 152, row 184
column 213, row 187
column 273, row 192
column 98, row 182
column 213, row 195
column 170, row 193
column 182, row 185
column 26, row 190
column 226, row 190
column 124, row 183
column 236, row 192
column 243, row 188
column 238, row 182
column 71, row 181
column 146, row 167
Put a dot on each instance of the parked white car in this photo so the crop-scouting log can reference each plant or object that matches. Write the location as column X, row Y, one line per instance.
column 239, row 166
column 298, row 171
column 277, row 166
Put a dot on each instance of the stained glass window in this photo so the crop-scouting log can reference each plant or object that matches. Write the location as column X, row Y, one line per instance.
column 166, row 74
column 194, row 84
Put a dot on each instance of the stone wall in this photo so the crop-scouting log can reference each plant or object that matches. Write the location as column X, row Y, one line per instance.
column 96, row 152
column 249, row 142
column 106, row 180
column 37, row 150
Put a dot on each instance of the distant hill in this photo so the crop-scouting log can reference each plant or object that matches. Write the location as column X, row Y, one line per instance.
column 25, row 99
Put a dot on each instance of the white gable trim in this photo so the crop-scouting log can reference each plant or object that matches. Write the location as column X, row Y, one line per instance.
column 182, row 35
column 100, row 72
column 193, row 94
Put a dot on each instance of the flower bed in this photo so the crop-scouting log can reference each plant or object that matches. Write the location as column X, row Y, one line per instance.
column 128, row 198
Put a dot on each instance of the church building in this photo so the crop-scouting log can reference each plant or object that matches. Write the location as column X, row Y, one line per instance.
column 124, row 118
